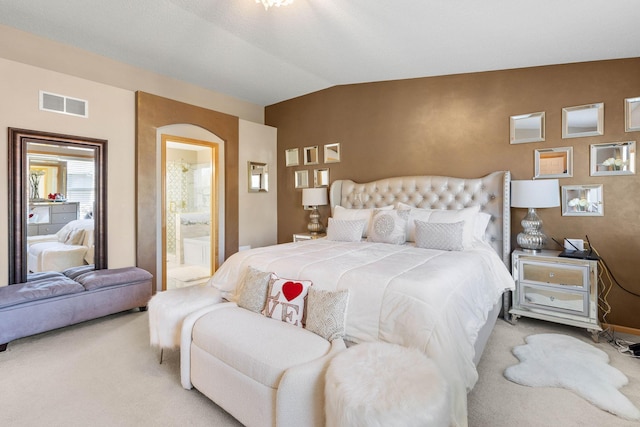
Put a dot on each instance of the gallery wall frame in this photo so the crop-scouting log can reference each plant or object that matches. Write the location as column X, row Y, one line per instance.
column 301, row 179
column 525, row 128
column 613, row 158
column 310, row 155
column 291, row 157
column 554, row 162
column 582, row 200
column 332, row 153
column 632, row 114
column 583, row 120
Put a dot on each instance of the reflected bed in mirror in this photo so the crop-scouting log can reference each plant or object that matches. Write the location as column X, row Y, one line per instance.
column 614, row 158
column 57, row 212
column 583, row 120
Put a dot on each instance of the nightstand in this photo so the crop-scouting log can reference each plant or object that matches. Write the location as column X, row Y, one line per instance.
column 298, row 237
column 556, row 289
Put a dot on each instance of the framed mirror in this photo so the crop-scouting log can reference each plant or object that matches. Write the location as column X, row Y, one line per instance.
column 332, row 153
column 526, row 128
column 258, row 177
column 35, row 212
column 311, row 155
column 615, row 158
column 291, row 157
column 301, row 179
column 632, row 114
column 554, row 162
column 582, row 200
column 583, row 120
column 321, row 178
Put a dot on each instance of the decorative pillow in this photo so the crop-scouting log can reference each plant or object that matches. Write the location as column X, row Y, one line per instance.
column 388, row 226
column 327, row 313
column 468, row 215
column 340, row 212
column 441, row 236
column 75, row 237
column 482, row 222
column 285, row 299
column 345, row 230
column 252, row 292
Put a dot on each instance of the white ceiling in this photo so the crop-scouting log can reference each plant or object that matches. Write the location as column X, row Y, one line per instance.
column 237, row 48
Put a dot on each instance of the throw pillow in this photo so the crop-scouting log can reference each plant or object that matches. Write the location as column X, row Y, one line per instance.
column 327, row 313
column 252, row 292
column 482, row 222
column 340, row 212
column 286, row 298
column 441, row 236
column 388, row 226
column 75, row 237
column 345, row 230
column 468, row 215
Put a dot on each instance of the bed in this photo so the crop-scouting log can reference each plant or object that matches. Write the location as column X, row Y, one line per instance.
column 443, row 302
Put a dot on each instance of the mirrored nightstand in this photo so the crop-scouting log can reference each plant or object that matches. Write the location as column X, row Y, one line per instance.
column 298, row 237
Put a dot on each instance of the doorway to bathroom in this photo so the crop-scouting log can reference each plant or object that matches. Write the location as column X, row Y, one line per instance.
column 189, row 211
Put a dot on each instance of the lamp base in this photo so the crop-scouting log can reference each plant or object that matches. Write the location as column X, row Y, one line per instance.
column 532, row 239
column 314, row 226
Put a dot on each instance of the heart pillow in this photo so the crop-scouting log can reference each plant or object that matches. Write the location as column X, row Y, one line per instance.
column 286, row 298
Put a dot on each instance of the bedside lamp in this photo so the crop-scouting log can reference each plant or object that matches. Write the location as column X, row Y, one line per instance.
column 542, row 193
column 314, row 197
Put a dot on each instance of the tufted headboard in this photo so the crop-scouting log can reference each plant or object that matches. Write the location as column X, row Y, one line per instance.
column 437, row 192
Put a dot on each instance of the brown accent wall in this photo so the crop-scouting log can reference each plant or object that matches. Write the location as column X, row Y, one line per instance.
column 153, row 112
column 459, row 126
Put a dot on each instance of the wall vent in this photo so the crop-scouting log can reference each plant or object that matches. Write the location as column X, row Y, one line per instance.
column 63, row 104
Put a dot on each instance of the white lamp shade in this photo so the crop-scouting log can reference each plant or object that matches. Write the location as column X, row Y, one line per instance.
column 540, row 193
column 314, row 196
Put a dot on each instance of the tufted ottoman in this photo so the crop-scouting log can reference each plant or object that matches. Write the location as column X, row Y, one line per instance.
column 381, row 384
column 168, row 309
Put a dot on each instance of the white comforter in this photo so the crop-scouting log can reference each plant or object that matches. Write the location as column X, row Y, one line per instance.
column 434, row 300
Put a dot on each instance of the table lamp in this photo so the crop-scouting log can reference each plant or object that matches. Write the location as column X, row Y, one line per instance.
column 314, row 197
column 534, row 194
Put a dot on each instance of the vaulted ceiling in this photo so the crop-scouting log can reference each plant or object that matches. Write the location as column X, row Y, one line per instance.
column 238, row 48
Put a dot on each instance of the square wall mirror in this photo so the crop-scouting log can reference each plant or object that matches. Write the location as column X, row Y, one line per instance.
column 301, row 179
column 311, row 155
column 583, row 120
column 321, row 177
column 582, row 200
column 526, row 128
column 554, row 162
column 332, row 153
column 615, row 158
column 291, row 157
column 632, row 114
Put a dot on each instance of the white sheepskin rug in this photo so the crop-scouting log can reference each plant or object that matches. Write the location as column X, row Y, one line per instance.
column 385, row 385
column 168, row 309
column 555, row 360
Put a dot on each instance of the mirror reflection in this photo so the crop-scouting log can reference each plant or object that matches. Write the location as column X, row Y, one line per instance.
column 258, row 177
column 311, row 155
column 291, row 157
column 301, row 179
column 632, row 114
column 616, row 158
column 56, row 216
column 321, row 177
column 554, row 162
column 332, row 153
column 526, row 128
column 583, row 120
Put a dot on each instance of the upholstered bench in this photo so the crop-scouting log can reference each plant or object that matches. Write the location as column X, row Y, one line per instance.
column 380, row 384
column 52, row 300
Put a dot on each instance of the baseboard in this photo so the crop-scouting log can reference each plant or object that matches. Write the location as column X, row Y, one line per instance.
column 622, row 329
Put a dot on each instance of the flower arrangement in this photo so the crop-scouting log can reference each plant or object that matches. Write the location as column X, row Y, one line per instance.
column 614, row 164
column 580, row 204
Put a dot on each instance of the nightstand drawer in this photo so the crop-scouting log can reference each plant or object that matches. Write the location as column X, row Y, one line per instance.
column 555, row 274
column 554, row 299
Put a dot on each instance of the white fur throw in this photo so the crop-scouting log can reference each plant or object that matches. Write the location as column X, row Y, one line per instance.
column 168, row 309
column 381, row 384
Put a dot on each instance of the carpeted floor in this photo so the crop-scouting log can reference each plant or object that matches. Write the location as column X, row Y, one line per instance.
column 103, row 373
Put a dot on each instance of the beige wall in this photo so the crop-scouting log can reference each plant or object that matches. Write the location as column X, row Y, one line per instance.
column 459, row 125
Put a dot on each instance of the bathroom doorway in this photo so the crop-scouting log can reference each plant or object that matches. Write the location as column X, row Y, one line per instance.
column 189, row 211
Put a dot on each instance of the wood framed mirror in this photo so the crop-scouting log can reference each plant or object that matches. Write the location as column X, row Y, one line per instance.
column 62, row 148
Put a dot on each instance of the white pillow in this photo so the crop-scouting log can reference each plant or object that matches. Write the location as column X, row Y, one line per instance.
column 468, row 215
column 344, row 230
column 482, row 222
column 340, row 212
column 388, row 226
column 441, row 236
column 286, row 299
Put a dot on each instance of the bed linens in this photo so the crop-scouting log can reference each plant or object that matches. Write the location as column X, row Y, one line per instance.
column 433, row 300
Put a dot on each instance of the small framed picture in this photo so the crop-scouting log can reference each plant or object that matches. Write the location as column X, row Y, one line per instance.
column 582, row 200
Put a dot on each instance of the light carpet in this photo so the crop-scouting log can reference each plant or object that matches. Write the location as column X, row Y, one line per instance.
column 557, row 360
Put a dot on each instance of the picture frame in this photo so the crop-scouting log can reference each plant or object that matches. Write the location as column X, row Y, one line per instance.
column 332, row 153
column 311, row 155
column 321, row 177
column 301, row 179
column 291, row 157
column 258, row 177
column 613, row 158
column 582, row 200
column 525, row 128
column 632, row 114
column 583, row 120
column 554, row 162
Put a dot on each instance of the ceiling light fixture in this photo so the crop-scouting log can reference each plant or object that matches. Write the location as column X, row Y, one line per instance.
column 268, row 3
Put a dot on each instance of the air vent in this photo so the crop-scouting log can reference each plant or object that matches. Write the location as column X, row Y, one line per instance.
column 63, row 104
